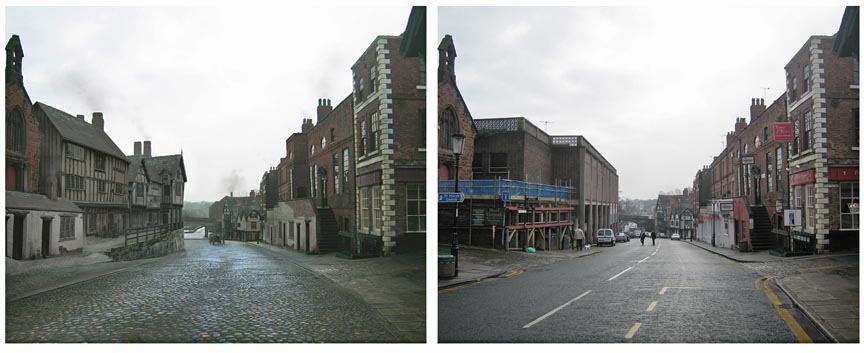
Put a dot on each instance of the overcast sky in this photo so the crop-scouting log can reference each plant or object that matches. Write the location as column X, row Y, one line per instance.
column 225, row 85
column 653, row 89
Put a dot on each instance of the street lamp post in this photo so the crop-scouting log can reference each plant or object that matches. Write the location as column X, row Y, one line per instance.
column 458, row 141
column 713, row 221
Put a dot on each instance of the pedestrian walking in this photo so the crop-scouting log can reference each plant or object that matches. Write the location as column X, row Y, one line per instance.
column 580, row 238
column 642, row 238
column 653, row 236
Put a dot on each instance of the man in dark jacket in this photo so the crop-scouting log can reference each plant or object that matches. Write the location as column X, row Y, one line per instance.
column 642, row 238
column 653, row 236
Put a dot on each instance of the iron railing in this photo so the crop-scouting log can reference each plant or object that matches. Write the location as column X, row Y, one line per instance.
column 137, row 235
column 359, row 245
column 793, row 243
column 513, row 187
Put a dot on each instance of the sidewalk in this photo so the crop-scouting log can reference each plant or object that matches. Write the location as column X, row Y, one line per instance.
column 395, row 286
column 476, row 263
column 824, row 287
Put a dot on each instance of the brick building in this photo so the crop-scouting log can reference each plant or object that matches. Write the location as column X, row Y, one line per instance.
column 389, row 129
column 23, row 137
column 817, row 172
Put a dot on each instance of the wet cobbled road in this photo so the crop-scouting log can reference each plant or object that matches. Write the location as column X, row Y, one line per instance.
column 209, row 293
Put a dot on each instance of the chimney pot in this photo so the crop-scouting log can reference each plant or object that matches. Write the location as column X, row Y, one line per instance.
column 137, row 148
column 147, row 149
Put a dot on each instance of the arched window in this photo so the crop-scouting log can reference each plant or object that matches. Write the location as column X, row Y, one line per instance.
column 756, row 142
column 312, row 149
column 15, row 131
column 323, row 143
column 446, row 128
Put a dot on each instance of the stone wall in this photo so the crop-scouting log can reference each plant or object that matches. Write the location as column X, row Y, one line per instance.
column 171, row 243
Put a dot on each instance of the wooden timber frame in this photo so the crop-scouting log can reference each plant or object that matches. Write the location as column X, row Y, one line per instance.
column 539, row 227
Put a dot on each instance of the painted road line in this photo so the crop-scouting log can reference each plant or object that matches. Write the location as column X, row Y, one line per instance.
column 664, row 289
column 555, row 310
column 794, row 325
column 646, row 258
column 621, row 273
column 632, row 330
column 651, row 306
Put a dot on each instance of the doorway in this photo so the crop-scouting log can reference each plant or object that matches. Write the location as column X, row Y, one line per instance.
column 18, row 236
column 46, row 237
column 307, row 237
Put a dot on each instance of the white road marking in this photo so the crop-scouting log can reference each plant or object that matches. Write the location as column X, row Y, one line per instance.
column 621, row 273
column 556, row 310
column 640, row 261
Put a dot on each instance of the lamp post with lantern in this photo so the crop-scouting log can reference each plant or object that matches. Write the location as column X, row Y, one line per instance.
column 457, row 141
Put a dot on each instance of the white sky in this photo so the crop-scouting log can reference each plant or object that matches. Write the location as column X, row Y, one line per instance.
column 227, row 85
column 653, row 89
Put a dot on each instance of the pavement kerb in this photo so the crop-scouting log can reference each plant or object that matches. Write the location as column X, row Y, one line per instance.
column 472, row 280
column 80, row 280
column 494, row 275
column 824, row 331
column 724, row 255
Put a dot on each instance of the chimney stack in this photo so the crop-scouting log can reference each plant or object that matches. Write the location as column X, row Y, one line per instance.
column 80, row 117
column 757, row 107
column 324, row 108
column 98, row 121
column 147, row 149
column 307, row 125
column 232, row 194
column 137, row 148
column 252, row 193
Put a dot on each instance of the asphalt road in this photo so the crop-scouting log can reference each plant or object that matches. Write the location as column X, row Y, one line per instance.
column 671, row 292
column 210, row 293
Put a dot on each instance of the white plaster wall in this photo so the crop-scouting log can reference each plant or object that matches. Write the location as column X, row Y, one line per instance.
column 32, row 246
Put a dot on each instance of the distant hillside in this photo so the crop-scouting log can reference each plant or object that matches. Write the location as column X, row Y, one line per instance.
column 199, row 209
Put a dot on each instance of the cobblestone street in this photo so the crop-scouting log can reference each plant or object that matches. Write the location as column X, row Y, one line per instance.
column 229, row 293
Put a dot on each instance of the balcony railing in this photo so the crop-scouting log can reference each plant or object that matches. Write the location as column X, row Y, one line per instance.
column 517, row 189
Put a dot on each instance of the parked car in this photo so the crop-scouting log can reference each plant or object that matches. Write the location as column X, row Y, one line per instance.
column 621, row 237
column 605, row 236
column 675, row 236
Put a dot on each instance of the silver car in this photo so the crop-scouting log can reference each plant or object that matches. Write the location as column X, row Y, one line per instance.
column 605, row 236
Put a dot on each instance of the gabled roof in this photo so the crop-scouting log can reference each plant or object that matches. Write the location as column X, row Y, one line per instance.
column 172, row 163
column 80, row 132
column 136, row 166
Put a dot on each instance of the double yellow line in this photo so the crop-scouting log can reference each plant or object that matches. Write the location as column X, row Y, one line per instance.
column 762, row 285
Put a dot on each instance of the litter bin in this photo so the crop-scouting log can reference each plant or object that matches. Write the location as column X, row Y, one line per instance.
column 742, row 246
column 446, row 266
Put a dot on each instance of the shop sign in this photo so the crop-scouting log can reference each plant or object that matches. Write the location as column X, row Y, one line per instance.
column 783, row 132
column 805, row 177
column 844, row 173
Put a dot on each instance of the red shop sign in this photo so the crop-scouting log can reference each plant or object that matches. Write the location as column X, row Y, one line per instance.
column 805, row 177
column 783, row 132
column 844, row 173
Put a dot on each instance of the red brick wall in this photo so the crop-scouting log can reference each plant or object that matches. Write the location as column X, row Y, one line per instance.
column 16, row 97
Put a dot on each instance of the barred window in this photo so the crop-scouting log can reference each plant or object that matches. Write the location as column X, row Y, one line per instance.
column 375, row 142
column 373, row 75
column 336, row 173
column 415, row 195
column 364, row 208
column 74, row 152
column 99, row 161
column 67, row 228
column 376, row 209
column 362, row 138
column 808, row 130
column 806, row 81
column 345, row 169
column 811, row 205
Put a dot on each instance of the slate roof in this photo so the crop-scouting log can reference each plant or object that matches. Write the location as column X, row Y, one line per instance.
column 80, row 132
column 29, row 201
column 156, row 165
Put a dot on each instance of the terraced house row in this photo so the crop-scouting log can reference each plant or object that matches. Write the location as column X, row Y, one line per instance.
column 353, row 179
column 815, row 173
column 66, row 178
